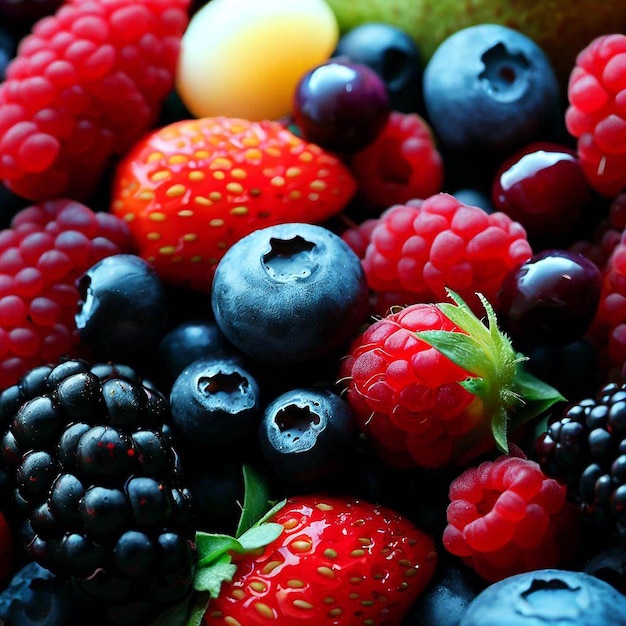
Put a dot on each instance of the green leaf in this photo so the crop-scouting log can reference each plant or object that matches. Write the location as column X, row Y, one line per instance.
column 210, row 578
column 255, row 501
column 536, row 395
column 461, row 315
column 199, row 608
column 210, row 547
column 260, row 536
column 499, row 429
column 277, row 507
column 462, row 350
column 531, row 388
column 475, row 386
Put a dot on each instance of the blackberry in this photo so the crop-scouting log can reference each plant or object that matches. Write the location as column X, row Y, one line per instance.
column 585, row 447
column 96, row 488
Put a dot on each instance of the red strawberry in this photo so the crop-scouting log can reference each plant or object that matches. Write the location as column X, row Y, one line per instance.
column 431, row 384
column 191, row 189
column 334, row 561
column 86, row 84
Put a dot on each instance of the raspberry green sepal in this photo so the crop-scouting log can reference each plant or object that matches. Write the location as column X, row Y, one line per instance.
column 493, row 367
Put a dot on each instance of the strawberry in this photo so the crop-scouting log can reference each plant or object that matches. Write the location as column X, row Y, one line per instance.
column 431, row 384
column 191, row 189
column 332, row 560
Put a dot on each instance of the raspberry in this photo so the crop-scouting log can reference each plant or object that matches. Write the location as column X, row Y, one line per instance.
column 420, row 248
column 86, row 84
column 408, row 419
column 506, row 517
column 96, row 486
column 585, row 446
column 401, row 164
column 48, row 246
column 596, row 115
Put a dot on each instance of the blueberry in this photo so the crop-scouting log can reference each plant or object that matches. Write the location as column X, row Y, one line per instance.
column 488, row 90
column 190, row 341
column 36, row 597
column 446, row 598
column 305, row 433
column 290, row 293
column 548, row 597
column 215, row 401
column 122, row 311
column 393, row 55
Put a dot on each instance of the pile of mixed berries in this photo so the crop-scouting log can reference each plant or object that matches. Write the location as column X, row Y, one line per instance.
column 363, row 363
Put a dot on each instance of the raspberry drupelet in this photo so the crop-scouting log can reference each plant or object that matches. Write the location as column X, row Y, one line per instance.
column 85, row 85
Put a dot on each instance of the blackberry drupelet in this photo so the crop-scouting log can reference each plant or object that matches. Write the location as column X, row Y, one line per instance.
column 96, row 486
column 585, row 446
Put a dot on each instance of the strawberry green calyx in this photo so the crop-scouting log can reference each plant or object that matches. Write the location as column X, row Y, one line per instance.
column 511, row 396
column 215, row 551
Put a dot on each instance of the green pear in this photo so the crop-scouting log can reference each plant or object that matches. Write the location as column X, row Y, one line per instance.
column 561, row 27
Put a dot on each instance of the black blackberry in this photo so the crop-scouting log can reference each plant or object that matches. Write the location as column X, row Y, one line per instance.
column 585, row 446
column 95, row 484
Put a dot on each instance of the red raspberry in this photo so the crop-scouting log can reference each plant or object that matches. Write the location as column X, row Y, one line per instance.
column 597, row 112
column 507, row 517
column 47, row 248
column 420, row 248
column 401, row 164
column 405, row 393
column 86, row 84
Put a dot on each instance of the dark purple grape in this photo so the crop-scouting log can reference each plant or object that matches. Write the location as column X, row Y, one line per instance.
column 341, row 106
column 551, row 299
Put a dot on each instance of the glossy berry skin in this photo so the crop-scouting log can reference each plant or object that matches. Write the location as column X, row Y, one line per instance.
column 543, row 187
column 338, row 562
column 548, row 597
column 215, row 401
column 122, row 310
column 551, row 299
column 341, row 106
column 188, row 342
column 289, row 293
column 305, row 434
column 489, row 87
column 392, row 54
